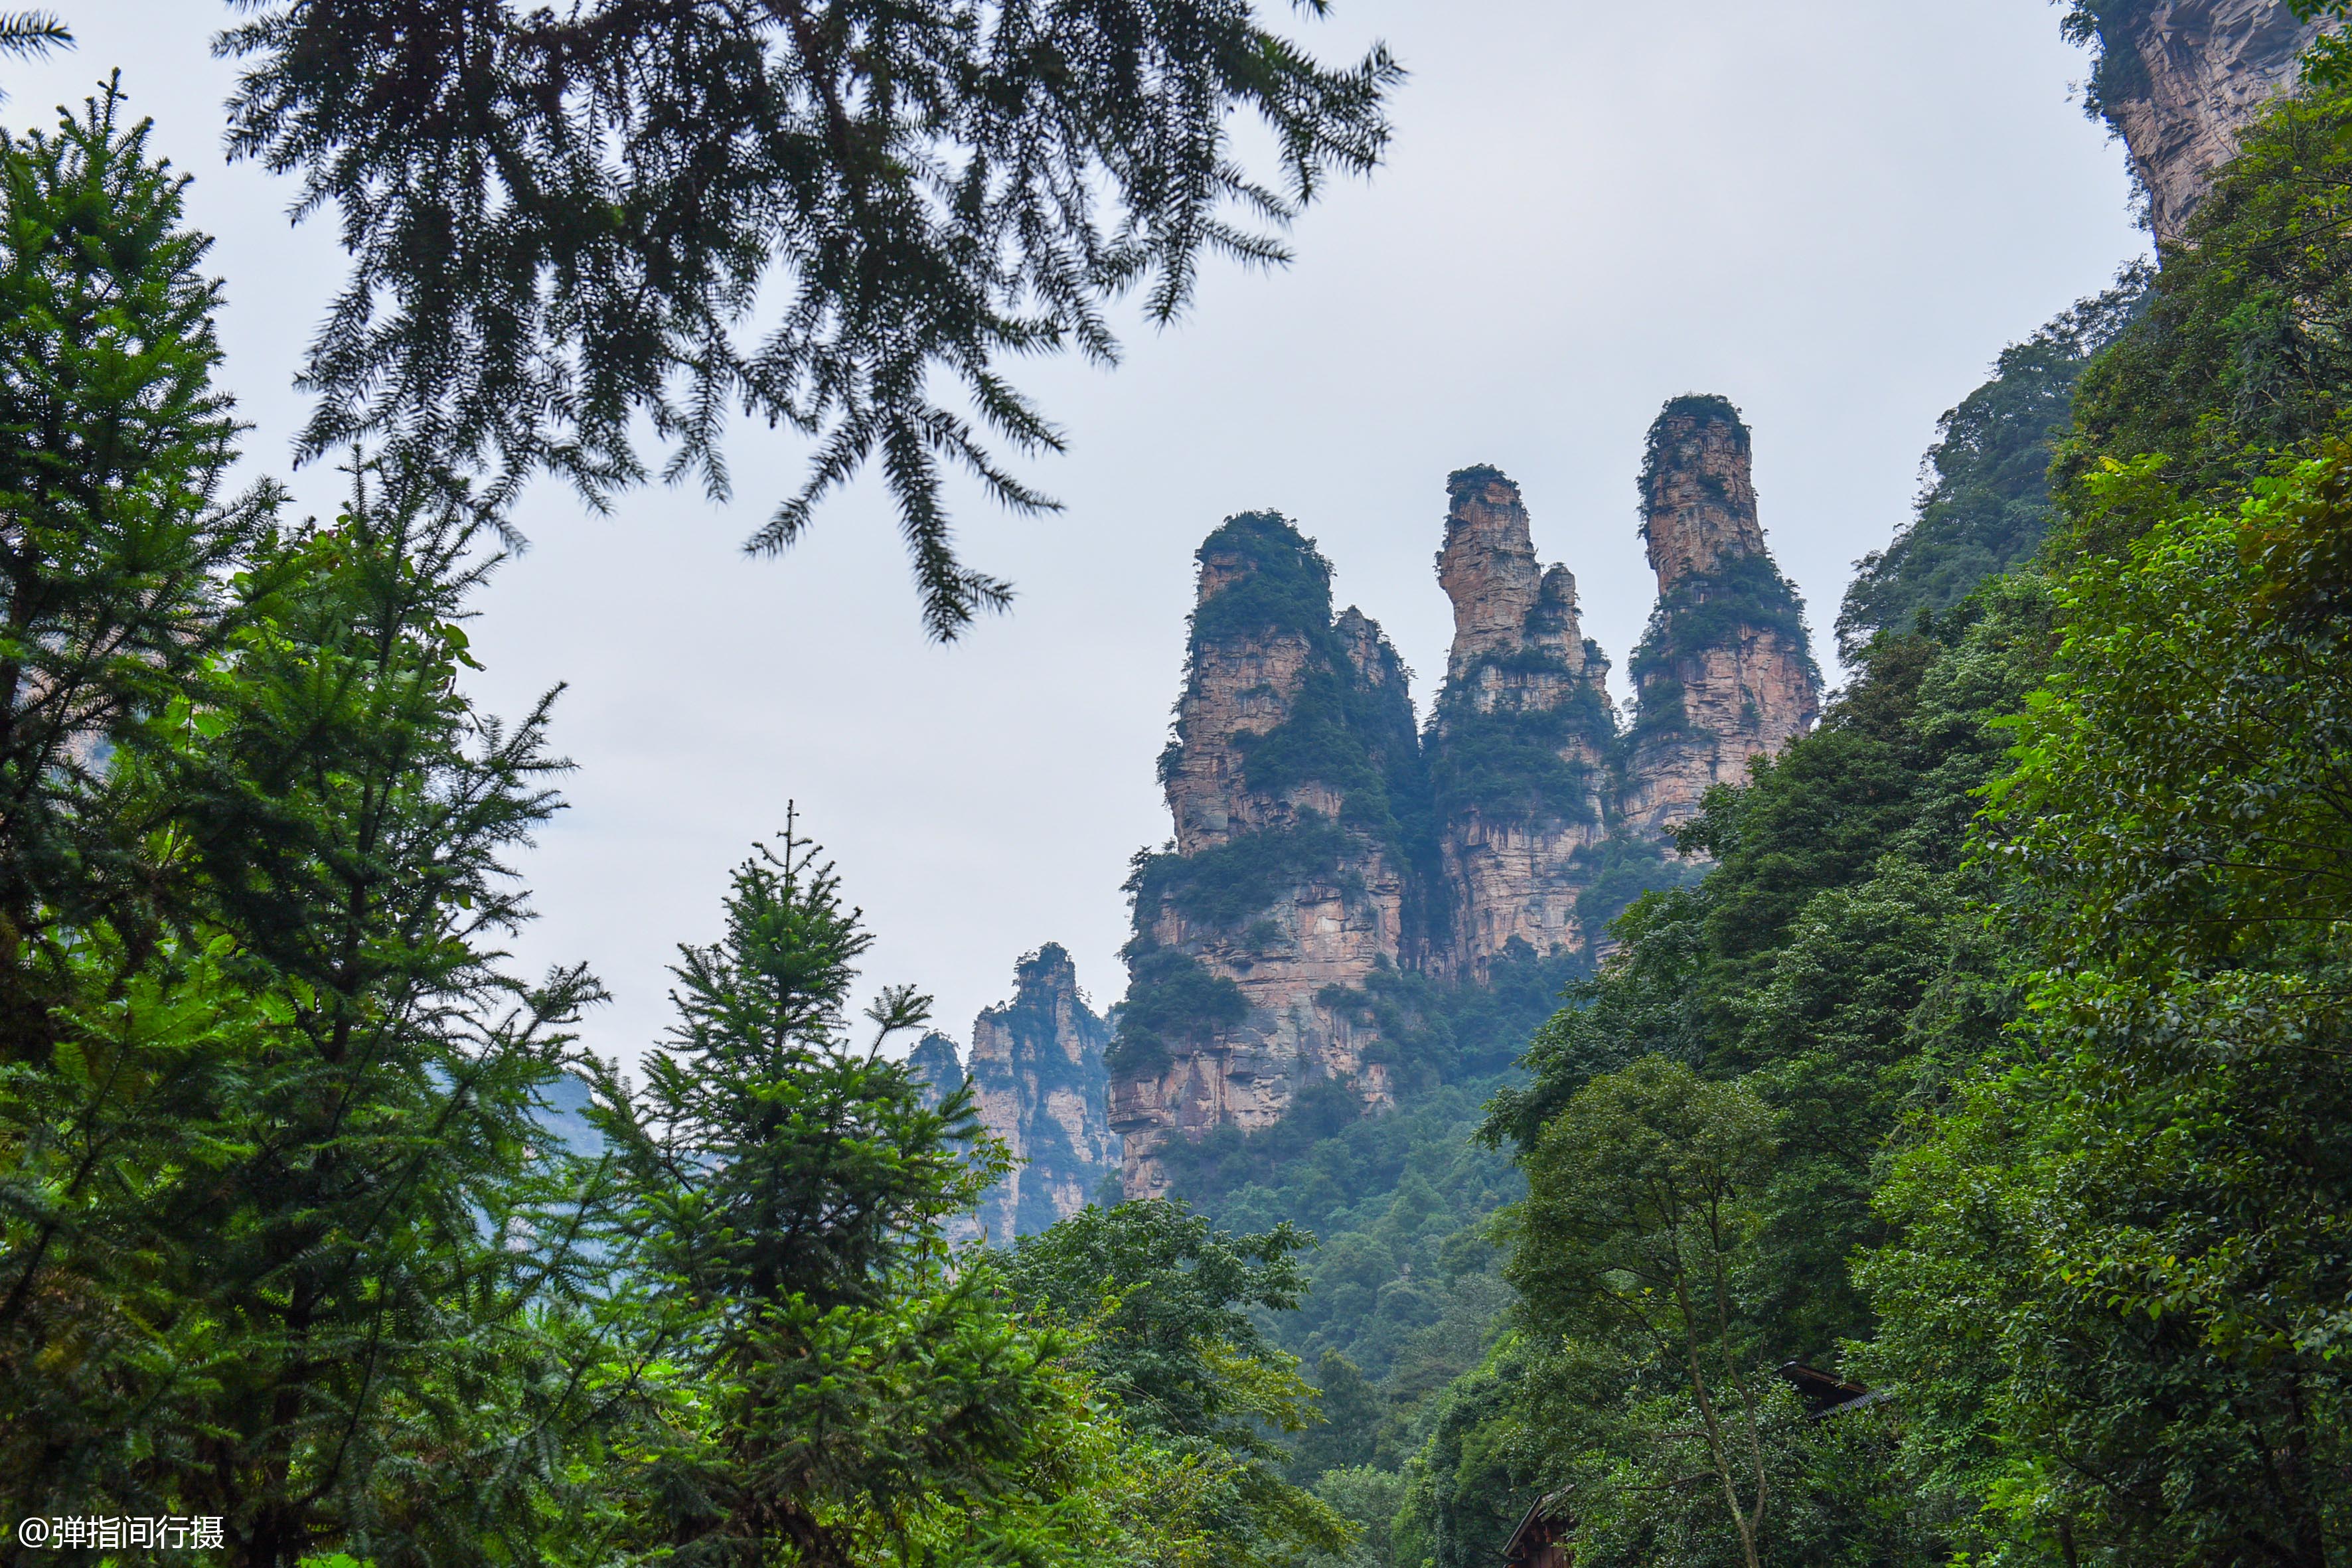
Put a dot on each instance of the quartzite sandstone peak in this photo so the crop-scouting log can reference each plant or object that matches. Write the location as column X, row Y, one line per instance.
column 1285, row 880
column 1724, row 672
column 1319, row 841
column 1036, row 1076
column 2178, row 81
column 1519, row 750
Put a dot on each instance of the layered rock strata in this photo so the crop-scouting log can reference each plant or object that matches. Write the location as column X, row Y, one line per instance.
column 1520, row 745
column 1724, row 672
column 1286, row 879
column 1035, row 1070
column 2178, row 79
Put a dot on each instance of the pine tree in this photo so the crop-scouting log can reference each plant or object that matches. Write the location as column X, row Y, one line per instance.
column 113, row 441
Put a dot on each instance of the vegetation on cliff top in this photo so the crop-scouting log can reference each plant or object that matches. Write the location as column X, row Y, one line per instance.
column 1998, row 1058
column 1985, row 507
column 1277, row 582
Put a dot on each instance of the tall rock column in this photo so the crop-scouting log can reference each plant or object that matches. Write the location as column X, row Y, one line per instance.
column 1294, row 748
column 1519, row 746
column 1724, row 671
column 1035, row 1072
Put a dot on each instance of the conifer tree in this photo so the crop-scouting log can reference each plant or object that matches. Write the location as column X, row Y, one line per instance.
column 113, row 441
column 561, row 219
column 284, row 1274
column 810, row 1374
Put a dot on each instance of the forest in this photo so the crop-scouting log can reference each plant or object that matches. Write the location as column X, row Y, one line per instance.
column 1944, row 1159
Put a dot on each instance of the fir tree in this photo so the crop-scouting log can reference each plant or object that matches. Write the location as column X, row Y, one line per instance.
column 809, row 1373
column 561, row 219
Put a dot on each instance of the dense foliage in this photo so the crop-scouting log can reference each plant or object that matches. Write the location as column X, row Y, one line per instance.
column 1985, row 505
column 1513, row 764
column 2123, row 1243
column 2242, row 353
column 311, row 1223
column 1173, row 1344
column 266, row 1097
column 1995, row 1062
column 1703, row 611
column 1997, row 1059
column 561, row 221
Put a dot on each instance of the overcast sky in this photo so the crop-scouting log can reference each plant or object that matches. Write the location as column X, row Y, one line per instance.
column 1835, row 213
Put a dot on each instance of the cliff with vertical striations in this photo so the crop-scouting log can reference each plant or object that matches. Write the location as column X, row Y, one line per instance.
column 1724, row 672
column 1036, row 1076
column 1293, row 738
column 2178, row 79
column 1320, row 844
column 1521, row 745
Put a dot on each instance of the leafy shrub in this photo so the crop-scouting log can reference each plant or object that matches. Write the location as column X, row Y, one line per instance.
column 1170, row 995
column 1223, row 886
column 1746, row 594
column 1623, row 869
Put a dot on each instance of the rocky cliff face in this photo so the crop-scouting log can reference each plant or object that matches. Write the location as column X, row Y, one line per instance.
column 1520, row 746
column 1293, row 735
column 1037, row 1080
column 1724, row 671
column 2178, row 79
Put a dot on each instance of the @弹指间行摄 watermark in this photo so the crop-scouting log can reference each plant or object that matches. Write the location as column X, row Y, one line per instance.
column 120, row 1531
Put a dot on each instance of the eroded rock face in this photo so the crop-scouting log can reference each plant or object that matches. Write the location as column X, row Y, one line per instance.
column 937, row 1067
column 1233, row 692
column 1519, row 750
column 1322, row 931
column 1724, row 672
column 2179, row 81
column 1038, row 1081
column 1295, row 771
column 1282, row 882
column 1698, row 492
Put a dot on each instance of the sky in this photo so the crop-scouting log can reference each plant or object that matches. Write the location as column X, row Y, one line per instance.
column 1835, row 213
